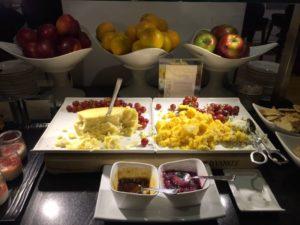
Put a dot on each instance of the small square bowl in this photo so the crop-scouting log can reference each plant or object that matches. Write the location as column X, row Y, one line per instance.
column 188, row 196
column 124, row 178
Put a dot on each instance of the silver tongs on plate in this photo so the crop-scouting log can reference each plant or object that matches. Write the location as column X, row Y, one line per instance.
column 115, row 94
column 261, row 155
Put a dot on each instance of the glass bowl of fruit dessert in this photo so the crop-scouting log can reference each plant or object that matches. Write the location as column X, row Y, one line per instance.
column 139, row 46
column 222, row 49
column 172, row 176
column 127, row 180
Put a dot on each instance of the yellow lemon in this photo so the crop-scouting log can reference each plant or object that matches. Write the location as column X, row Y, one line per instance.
column 167, row 45
column 104, row 27
column 120, row 44
column 175, row 38
column 152, row 38
column 107, row 37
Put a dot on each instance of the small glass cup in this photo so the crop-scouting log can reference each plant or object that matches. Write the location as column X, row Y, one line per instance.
column 11, row 141
column 3, row 190
column 11, row 166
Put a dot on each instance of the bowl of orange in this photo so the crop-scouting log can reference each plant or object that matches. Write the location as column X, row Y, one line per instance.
column 139, row 46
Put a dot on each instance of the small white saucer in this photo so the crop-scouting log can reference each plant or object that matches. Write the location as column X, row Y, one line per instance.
column 251, row 192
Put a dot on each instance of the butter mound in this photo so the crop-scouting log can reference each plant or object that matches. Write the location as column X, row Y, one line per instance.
column 122, row 121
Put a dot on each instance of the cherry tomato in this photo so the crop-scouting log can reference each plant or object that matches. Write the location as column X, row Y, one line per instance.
column 158, row 106
column 144, row 141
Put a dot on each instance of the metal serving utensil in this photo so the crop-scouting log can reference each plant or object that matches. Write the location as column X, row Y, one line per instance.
column 163, row 190
column 187, row 177
column 115, row 94
column 260, row 155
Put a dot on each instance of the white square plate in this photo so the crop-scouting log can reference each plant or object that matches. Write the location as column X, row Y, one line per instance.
column 203, row 102
column 251, row 192
column 159, row 209
column 64, row 120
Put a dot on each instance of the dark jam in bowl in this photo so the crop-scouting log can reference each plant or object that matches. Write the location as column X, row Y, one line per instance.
column 174, row 179
column 132, row 184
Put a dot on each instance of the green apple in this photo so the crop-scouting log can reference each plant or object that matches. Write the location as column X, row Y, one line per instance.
column 206, row 40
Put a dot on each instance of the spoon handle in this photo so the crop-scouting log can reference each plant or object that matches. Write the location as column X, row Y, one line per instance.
column 116, row 91
column 221, row 177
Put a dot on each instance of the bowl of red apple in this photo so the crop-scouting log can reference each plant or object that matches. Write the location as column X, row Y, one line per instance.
column 54, row 48
column 222, row 49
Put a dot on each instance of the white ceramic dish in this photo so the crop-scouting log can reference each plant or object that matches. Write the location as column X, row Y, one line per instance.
column 57, row 64
column 142, row 59
column 190, row 198
column 214, row 62
column 128, row 200
column 160, row 209
column 64, row 120
column 289, row 143
column 165, row 105
column 269, row 124
column 251, row 192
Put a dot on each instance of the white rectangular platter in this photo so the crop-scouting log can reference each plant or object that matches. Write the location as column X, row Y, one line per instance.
column 64, row 120
column 165, row 105
column 159, row 209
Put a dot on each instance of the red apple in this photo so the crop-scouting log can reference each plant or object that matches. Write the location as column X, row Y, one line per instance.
column 25, row 35
column 231, row 46
column 67, row 45
column 45, row 49
column 84, row 40
column 47, row 32
column 67, row 25
column 30, row 50
column 206, row 40
column 220, row 30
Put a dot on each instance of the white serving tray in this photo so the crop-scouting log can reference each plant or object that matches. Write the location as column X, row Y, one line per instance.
column 159, row 209
column 289, row 143
column 64, row 120
column 166, row 102
column 251, row 192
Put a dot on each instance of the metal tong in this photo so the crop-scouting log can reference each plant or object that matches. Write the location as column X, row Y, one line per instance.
column 261, row 155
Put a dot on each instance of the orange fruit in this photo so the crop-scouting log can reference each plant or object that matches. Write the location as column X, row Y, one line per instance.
column 167, row 45
column 137, row 45
column 106, row 39
column 162, row 24
column 130, row 31
column 152, row 38
column 150, row 18
column 175, row 38
column 120, row 44
column 142, row 26
column 104, row 27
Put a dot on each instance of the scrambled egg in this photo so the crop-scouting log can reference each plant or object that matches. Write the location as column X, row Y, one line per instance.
column 190, row 129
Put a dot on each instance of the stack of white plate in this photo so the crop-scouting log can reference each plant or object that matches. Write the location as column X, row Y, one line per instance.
column 17, row 79
column 263, row 73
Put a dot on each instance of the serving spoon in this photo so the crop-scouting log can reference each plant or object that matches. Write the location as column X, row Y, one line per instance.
column 163, row 190
column 187, row 177
column 115, row 93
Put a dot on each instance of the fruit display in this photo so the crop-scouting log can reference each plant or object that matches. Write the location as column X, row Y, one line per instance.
column 150, row 32
column 223, row 40
column 53, row 40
